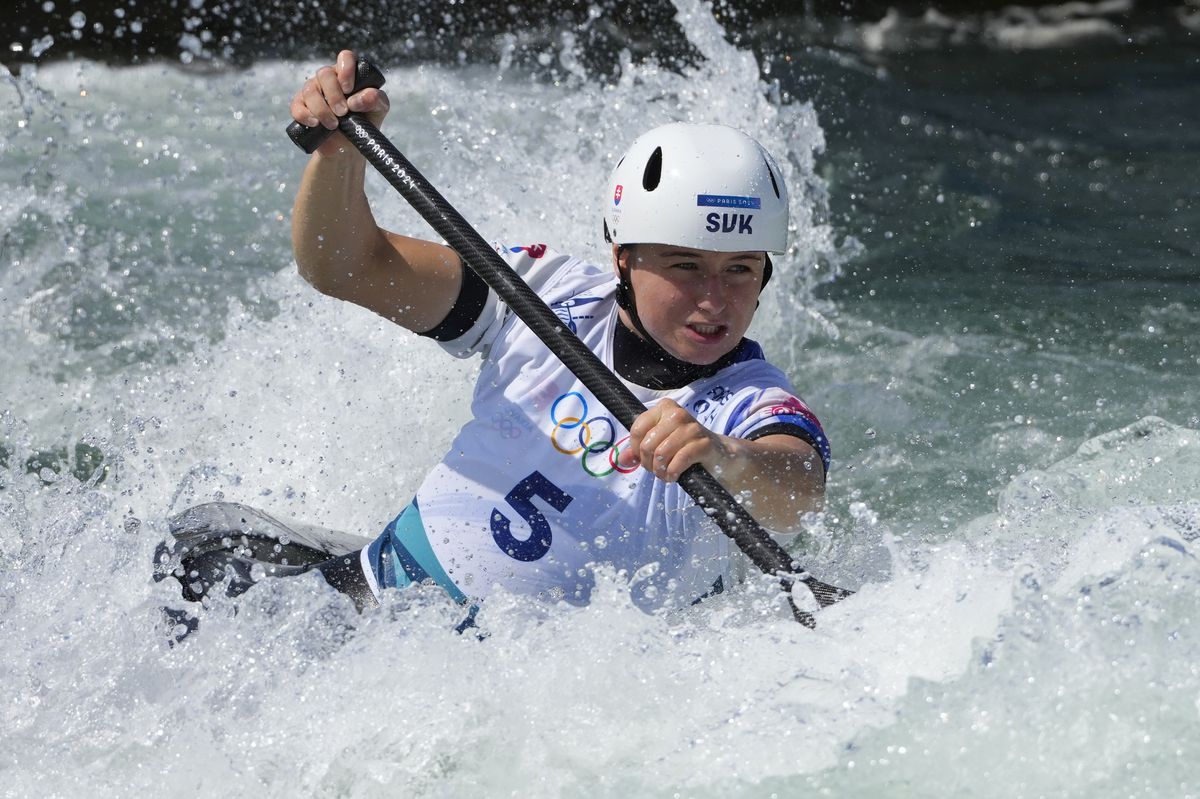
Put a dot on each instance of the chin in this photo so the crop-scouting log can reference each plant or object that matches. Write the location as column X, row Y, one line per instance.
column 701, row 356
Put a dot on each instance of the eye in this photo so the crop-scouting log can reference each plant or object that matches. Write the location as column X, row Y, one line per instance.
column 740, row 269
column 688, row 265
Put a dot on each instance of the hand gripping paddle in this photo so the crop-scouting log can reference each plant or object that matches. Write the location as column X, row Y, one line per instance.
column 734, row 520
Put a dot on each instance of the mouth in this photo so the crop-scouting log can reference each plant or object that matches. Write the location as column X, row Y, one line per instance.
column 707, row 332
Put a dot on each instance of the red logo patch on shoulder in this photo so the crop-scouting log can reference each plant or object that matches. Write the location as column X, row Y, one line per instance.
column 617, row 194
column 794, row 407
column 534, row 251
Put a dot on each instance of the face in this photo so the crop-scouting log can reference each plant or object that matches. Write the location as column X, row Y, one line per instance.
column 697, row 304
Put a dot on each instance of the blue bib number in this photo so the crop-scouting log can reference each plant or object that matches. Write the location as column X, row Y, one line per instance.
column 520, row 499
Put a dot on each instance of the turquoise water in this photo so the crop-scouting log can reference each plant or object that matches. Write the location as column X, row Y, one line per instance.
column 991, row 303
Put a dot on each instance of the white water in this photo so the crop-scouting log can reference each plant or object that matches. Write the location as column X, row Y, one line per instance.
column 1043, row 650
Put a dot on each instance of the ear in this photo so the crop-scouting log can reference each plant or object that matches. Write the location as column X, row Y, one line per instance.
column 621, row 255
column 768, row 268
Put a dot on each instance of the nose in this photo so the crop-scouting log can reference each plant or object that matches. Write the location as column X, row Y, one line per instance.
column 713, row 297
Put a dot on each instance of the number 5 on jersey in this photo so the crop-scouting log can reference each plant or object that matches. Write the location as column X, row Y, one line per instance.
column 520, row 498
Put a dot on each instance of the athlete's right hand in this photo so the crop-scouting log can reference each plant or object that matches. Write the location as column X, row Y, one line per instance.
column 327, row 96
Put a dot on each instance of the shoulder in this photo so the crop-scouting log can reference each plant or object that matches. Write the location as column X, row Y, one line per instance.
column 557, row 278
column 541, row 259
column 718, row 399
column 551, row 273
column 752, row 397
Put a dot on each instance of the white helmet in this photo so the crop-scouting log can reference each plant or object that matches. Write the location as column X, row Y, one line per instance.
column 710, row 187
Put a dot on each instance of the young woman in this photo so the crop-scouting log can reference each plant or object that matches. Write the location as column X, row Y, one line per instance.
column 542, row 482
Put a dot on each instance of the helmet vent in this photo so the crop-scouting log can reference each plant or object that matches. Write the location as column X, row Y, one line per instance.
column 653, row 173
column 774, row 183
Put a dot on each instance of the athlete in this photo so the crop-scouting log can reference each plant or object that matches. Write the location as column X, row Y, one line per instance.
column 542, row 482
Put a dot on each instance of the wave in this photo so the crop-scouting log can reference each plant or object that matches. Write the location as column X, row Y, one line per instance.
column 241, row 31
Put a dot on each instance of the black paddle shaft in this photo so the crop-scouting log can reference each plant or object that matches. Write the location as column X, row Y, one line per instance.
column 733, row 519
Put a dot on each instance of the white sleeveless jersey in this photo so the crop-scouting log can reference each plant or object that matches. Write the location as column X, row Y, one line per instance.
column 530, row 496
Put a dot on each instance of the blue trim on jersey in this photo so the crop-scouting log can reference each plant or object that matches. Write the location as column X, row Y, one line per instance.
column 739, row 413
column 750, row 350
column 405, row 542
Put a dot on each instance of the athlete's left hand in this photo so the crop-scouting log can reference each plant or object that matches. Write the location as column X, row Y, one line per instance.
column 666, row 439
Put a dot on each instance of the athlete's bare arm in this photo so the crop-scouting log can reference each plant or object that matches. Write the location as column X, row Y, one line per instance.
column 339, row 247
column 783, row 474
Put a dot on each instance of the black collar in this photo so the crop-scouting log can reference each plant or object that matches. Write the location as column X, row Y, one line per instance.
column 646, row 363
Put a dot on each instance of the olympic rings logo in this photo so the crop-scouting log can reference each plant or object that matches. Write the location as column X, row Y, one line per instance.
column 593, row 440
column 506, row 424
